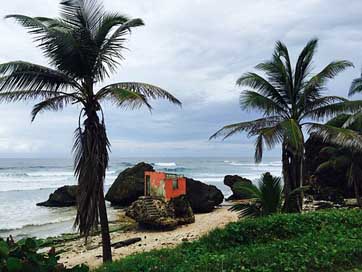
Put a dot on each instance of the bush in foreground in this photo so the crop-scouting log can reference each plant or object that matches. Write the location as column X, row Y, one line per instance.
column 319, row 241
column 23, row 256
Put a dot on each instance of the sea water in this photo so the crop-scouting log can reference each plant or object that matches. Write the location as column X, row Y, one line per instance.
column 25, row 182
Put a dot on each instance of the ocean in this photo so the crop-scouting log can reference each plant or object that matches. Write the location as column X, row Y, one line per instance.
column 25, row 182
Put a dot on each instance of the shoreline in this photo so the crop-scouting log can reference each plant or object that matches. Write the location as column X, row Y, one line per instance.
column 75, row 252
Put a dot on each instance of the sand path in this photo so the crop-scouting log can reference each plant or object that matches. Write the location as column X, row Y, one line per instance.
column 77, row 253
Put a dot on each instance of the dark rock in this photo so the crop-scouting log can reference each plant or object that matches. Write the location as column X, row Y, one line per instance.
column 62, row 197
column 231, row 181
column 182, row 210
column 152, row 212
column 203, row 197
column 129, row 185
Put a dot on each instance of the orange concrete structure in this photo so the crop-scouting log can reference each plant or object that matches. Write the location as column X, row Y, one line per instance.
column 164, row 185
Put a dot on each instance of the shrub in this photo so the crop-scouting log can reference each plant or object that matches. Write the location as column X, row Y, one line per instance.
column 23, row 256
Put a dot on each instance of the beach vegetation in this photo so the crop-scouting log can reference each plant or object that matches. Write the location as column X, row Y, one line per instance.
column 23, row 256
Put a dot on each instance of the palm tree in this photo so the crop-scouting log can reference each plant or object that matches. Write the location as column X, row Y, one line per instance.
column 266, row 197
column 287, row 99
column 84, row 47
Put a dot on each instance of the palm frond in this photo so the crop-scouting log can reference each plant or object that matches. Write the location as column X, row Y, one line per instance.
column 248, row 209
column 331, row 110
column 19, row 75
column 277, row 76
column 259, row 83
column 110, row 49
column 26, row 95
column 329, row 72
column 148, row 91
column 267, row 197
column 293, row 134
column 246, row 189
column 354, row 121
column 250, row 126
column 254, row 100
column 85, row 14
column 356, row 86
column 259, row 148
column 346, row 138
column 126, row 99
column 304, row 62
column 270, row 193
column 54, row 103
column 107, row 23
column 307, row 105
column 270, row 136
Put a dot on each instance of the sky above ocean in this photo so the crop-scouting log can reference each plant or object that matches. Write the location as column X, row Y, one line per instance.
column 194, row 49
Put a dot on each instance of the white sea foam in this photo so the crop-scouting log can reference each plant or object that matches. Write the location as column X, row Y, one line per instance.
column 166, row 164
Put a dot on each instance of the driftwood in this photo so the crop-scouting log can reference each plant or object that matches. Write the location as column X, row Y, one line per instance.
column 126, row 242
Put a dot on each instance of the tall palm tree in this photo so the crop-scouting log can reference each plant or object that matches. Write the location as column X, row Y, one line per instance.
column 84, row 46
column 287, row 99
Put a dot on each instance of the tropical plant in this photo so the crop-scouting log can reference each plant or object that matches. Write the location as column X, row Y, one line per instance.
column 343, row 156
column 289, row 99
column 22, row 256
column 265, row 197
column 84, row 47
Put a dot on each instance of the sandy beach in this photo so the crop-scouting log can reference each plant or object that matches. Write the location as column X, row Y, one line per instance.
column 77, row 253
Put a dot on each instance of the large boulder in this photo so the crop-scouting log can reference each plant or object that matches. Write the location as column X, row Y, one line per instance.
column 152, row 212
column 232, row 181
column 129, row 185
column 182, row 210
column 62, row 197
column 203, row 197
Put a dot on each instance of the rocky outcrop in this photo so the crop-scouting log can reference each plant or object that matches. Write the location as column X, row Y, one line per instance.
column 62, row 197
column 155, row 213
column 203, row 197
column 129, row 185
column 232, row 181
column 182, row 210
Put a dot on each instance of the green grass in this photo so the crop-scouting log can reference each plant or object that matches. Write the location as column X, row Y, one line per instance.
column 320, row 241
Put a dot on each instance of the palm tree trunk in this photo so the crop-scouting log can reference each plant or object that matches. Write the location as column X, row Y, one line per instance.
column 91, row 161
column 356, row 192
column 293, row 176
column 106, row 239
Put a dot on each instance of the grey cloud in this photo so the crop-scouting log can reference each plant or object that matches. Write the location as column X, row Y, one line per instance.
column 196, row 50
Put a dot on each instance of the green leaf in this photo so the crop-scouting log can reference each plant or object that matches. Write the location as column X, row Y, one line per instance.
column 14, row 265
column 4, row 249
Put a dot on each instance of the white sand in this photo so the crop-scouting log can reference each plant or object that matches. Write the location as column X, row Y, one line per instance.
column 78, row 253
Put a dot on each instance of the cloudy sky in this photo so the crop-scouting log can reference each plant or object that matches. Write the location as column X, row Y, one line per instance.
column 196, row 49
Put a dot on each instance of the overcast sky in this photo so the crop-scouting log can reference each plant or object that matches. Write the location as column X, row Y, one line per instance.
column 196, row 49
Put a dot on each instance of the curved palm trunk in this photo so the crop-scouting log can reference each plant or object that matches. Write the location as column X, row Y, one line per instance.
column 293, row 179
column 91, row 161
